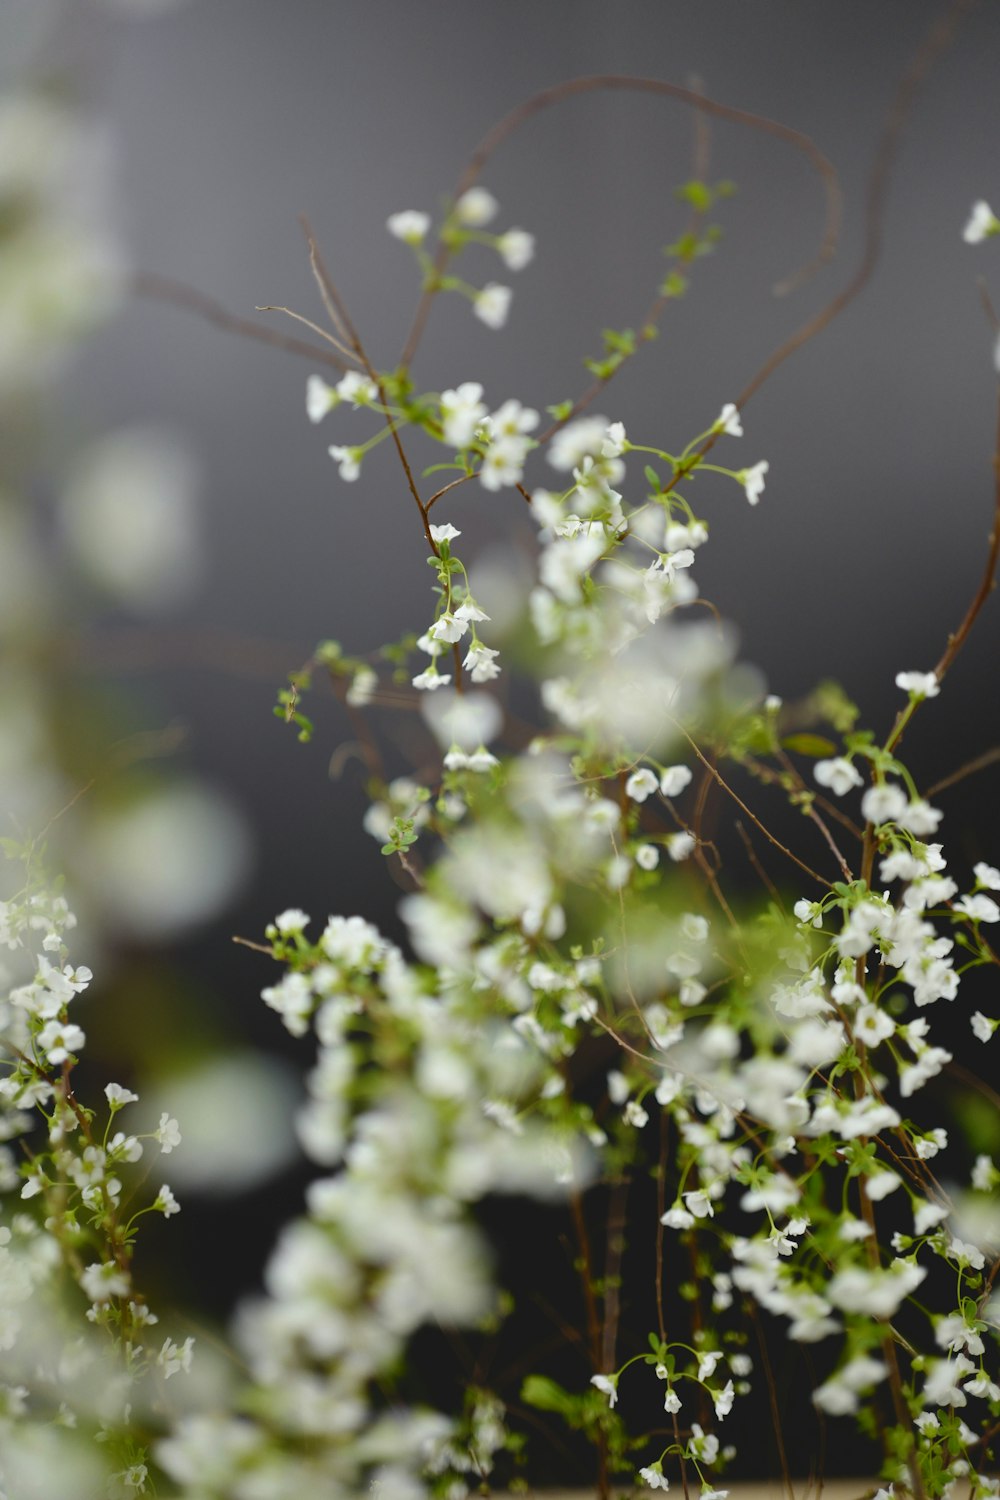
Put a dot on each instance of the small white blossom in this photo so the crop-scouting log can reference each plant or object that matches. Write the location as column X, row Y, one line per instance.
column 647, row 856
column 728, row 421
column 476, row 207
column 102, row 1282
column 679, row 846
column 517, row 247
column 918, row 684
column 492, row 304
column 174, row 1358
column 445, row 533
column 359, row 389
column 320, row 398
column 982, row 223
column 168, row 1133
column 654, row 1476
column 348, row 461
column 462, row 411
column 839, row 775
column 723, row 1400
column 674, row 780
column 752, row 480
column 118, row 1097
column 883, row 803
column 987, row 875
column 293, row 920
column 982, row 1027
column 409, row 225
column 641, row 784
column 608, row 1386
column 978, row 908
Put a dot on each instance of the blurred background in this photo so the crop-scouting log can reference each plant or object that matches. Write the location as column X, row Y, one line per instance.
column 174, row 538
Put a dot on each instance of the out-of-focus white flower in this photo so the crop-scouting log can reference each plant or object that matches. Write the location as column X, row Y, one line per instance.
column 467, row 720
column 165, row 862
column 237, row 1113
column 492, row 304
column 918, row 684
column 517, row 247
column 130, row 518
column 728, row 421
column 476, row 208
column 982, row 222
column 410, row 225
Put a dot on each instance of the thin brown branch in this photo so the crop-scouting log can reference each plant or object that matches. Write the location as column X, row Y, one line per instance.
column 156, row 288
column 622, row 83
column 298, row 317
column 342, row 320
column 978, row 763
column 820, row 879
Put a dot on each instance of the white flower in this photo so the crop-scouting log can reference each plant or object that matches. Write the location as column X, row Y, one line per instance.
column 173, row 1358
column 982, row 223
column 446, row 533
column 430, row 679
column 448, row 628
column 572, row 443
column 59, row 1040
column 410, row 225
column 878, row 1293
column 462, row 410
column 883, row 803
column 982, row 1027
column 359, row 389
column 984, row 1174
column 102, row 1282
column 707, row 1363
column 987, row 875
column 647, row 856
column 919, row 817
column 641, row 784
column 492, row 304
column 517, row 248
column 677, row 1218
column 607, row 1385
column 674, row 780
column 166, row 1203
column 728, row 421
column 168, row 1134
column 723, row 1400
column 927, row 1215
column 481, row 662
column 881, row 1184
column 671, row 1400
column 512, row 420
column 918, row 684
column 476, row 207
column 503, row 463
column 752, row 480
column 118, row 1097
column 320, row 398
column 839, row 775
column 700, row 1205
column 978, row 908
column 655, row 1477
column 679, row 846
column 292, row 920
column 348, row 459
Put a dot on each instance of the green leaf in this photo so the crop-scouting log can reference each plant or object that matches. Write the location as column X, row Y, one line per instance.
column 653, row 479
column 545, row 1394
column 809, row 744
